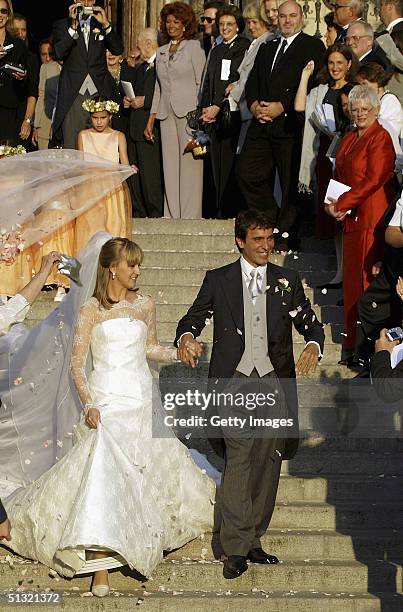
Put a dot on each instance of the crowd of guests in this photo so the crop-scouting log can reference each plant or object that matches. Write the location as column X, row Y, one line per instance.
column 231, row 110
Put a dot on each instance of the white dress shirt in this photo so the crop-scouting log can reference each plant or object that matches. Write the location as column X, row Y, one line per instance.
column 247, row 268
column 397, row 219
column 393, row 24
column 289, row 41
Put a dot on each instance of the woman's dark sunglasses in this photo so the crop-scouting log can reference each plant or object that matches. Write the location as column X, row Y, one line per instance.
column 205, row 18
column 4, row 11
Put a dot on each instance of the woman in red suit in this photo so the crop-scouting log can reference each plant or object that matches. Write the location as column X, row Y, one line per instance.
column 364, row 162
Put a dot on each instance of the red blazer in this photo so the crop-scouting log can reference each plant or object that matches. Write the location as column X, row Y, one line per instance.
column 366, row 164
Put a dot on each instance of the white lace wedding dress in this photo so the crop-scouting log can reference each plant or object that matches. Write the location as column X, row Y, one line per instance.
column 118, row 489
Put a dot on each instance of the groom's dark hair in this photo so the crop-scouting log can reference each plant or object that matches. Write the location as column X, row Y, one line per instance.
column 250, row 219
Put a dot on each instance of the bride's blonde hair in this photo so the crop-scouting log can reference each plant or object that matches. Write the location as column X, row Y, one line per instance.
column 113, row 252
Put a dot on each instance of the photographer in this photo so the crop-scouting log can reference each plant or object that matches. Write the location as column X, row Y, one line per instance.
column 83, row 74
column 388, row 380
column 19, row 28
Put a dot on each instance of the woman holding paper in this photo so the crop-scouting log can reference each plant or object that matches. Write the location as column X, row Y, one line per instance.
column 324, row 120
column 365, row 162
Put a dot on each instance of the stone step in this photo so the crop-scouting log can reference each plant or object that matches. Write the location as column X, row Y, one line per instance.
column 179, row 294
column 168, row 316
column 314, row 462
column 201, row 244
column 167, row 330
column 345, row 516
column 194, row 257
column 175, row 311
column 215, row 227
column 227, row 600
column 289, row 575
column 320, row 544
column 184, row 276
column 333, row 489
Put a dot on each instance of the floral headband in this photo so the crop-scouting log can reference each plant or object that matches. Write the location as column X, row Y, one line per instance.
column 94, row 106
column 6, row 151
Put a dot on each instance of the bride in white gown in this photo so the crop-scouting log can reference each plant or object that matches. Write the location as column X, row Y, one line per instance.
column 118, row 491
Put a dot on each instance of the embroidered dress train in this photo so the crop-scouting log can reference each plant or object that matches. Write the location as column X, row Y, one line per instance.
column 118, row 489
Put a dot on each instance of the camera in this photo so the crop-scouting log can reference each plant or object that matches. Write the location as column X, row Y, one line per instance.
column 80, row 10
column 88, row 10
column 395, row 333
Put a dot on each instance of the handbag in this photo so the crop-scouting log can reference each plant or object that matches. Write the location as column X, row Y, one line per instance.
column 224, row 117
column 193, row 119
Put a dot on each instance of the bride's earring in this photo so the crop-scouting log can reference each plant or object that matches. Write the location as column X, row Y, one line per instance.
column 113, row 275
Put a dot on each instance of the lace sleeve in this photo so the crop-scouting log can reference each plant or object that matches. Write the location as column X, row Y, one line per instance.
column 156, row 352
column 81, row 345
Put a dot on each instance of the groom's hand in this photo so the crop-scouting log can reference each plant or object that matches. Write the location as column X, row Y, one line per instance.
column 189, row 350
column 308, row 360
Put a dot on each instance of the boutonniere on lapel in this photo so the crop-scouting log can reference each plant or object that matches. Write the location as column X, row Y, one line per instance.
column 150, row 65
column 98, row 34
column 283, row 285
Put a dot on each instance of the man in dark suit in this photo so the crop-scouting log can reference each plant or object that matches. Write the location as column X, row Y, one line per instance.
column 391, row 14
column 360, row 38
column 387, row 381
column 254, row 304
column 148, row 153
column 81, row 42
column 5, row 527
column 380, row 306
column 274, row 137
column 347, row 12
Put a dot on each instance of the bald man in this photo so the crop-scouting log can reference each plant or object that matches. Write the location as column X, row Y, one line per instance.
column 274, row 138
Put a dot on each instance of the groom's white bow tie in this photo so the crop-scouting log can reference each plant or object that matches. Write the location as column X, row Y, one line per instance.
column 255, row 278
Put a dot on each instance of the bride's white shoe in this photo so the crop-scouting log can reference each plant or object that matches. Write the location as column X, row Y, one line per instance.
column 100, row 590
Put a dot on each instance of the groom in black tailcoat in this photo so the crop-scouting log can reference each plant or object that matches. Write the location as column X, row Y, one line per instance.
column 81, row 41
column 254, row 304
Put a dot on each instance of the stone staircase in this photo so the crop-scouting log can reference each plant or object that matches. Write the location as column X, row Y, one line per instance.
column 338, row 523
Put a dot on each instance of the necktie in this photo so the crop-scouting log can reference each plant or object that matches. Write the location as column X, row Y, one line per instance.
column 279, row 55
column 253, row 285
column 85, row 28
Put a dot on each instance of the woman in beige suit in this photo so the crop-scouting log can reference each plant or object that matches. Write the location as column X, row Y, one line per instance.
column 179, row 67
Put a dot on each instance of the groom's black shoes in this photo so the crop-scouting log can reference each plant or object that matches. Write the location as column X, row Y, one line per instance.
column 234, row 566
column 258, row 555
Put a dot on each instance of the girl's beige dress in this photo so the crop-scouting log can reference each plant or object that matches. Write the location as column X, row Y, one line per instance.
column 112, row 213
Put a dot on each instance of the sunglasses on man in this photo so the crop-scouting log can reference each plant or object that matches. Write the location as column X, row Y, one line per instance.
column 204, row 18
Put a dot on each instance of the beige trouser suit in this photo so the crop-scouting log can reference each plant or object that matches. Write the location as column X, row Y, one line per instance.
column 176, row 88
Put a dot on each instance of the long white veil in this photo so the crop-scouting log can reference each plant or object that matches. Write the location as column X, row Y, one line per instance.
column 40, row 404
column 42, row 191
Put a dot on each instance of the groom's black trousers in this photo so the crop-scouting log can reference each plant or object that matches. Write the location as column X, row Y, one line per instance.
column 247, row 495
